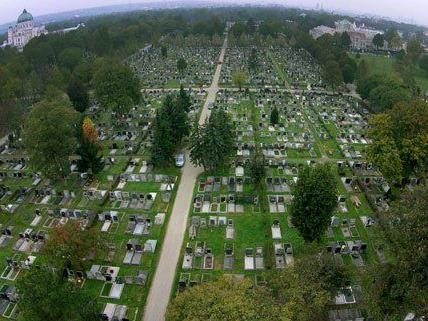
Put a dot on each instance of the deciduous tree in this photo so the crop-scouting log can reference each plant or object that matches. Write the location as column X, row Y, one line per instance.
column 400, row 141
column 379, row 40
column 69, row 246
column 314, row 201
column 239, row 78
column 224, row 299
column 78, row 94
column 116, row 87
column 50, row 135
column 46, row 296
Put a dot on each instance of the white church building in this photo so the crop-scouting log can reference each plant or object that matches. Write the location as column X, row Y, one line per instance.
column 24, row 30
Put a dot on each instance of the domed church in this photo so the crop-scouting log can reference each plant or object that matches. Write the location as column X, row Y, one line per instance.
column 24, row 30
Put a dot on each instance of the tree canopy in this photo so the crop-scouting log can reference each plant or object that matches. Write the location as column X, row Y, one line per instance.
column 239, row 78
column 314, row 200
column 89, row 149
column 401, row 285
column 211, row 145
column 300, row 292
column 274, row 116
column 379, row 40
column 69, row 246
column 50, row 135
column 170, row 127
column 46, row 296
column 116, row 87
column 78, row 94
column 226, row 299
column 400, row 141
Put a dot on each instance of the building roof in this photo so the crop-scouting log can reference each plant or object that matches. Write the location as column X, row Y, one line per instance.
column 25, row 16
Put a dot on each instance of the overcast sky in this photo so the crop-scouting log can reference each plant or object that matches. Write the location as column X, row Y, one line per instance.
column 413, row 10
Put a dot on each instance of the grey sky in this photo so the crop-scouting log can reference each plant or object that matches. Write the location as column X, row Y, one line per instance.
column 409, row 10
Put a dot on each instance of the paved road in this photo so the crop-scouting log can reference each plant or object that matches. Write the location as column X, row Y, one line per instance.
column 163, row 281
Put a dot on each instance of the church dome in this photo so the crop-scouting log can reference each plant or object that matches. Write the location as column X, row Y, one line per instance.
column 25, row 16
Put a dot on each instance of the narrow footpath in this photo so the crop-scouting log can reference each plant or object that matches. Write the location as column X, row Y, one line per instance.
column 163, row 281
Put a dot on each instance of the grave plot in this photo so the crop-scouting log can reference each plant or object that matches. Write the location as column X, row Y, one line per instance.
column 128, row 203
column 132, row 133
column 232, row 229
column 341, row 126
column 156, row 71
column 292, row 136
column 261, row 73
column 229, row 231
column 298, row 68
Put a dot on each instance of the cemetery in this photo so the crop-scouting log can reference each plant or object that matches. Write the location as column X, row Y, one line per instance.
column 284, row 113
column 128, row 203
column 157, row 71
column 232, row 230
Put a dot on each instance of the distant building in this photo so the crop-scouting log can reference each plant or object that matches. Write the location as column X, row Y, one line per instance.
column 361, row 37
column 24, row 31
column 80, row 25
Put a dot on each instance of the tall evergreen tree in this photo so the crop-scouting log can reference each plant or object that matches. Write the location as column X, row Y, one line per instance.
column 274, row 116
column 170, row 127
column 212, row 143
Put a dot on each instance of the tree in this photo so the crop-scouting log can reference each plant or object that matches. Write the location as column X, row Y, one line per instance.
column 362, row 74
column 170, row 127
column 348, row 73
column 402, row 285
column 46, row 296
column 252, row 60
column 414, row 50
column 345, row 40
column 69, row 246
column 11, row 116
column 333, row 74
column 78, row 94
column 393, row 39
column 239, row 78
column 183, row 100
column 91, row 160
column 89, row 149
column 423, row 63
column 378, row 40
column 164, row 52
column 49, row 135
column 116, row 87
column 400, row 141
column 70, row 57
column 274, row 116
column 257, row 170
column 387, row 94
column 181, row 65
column 314, row 201
column 89, row 131
column 224, row 299
column 306, row 289
column 212, row 144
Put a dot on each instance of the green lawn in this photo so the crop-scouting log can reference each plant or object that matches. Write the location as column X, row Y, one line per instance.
column 384, row 65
